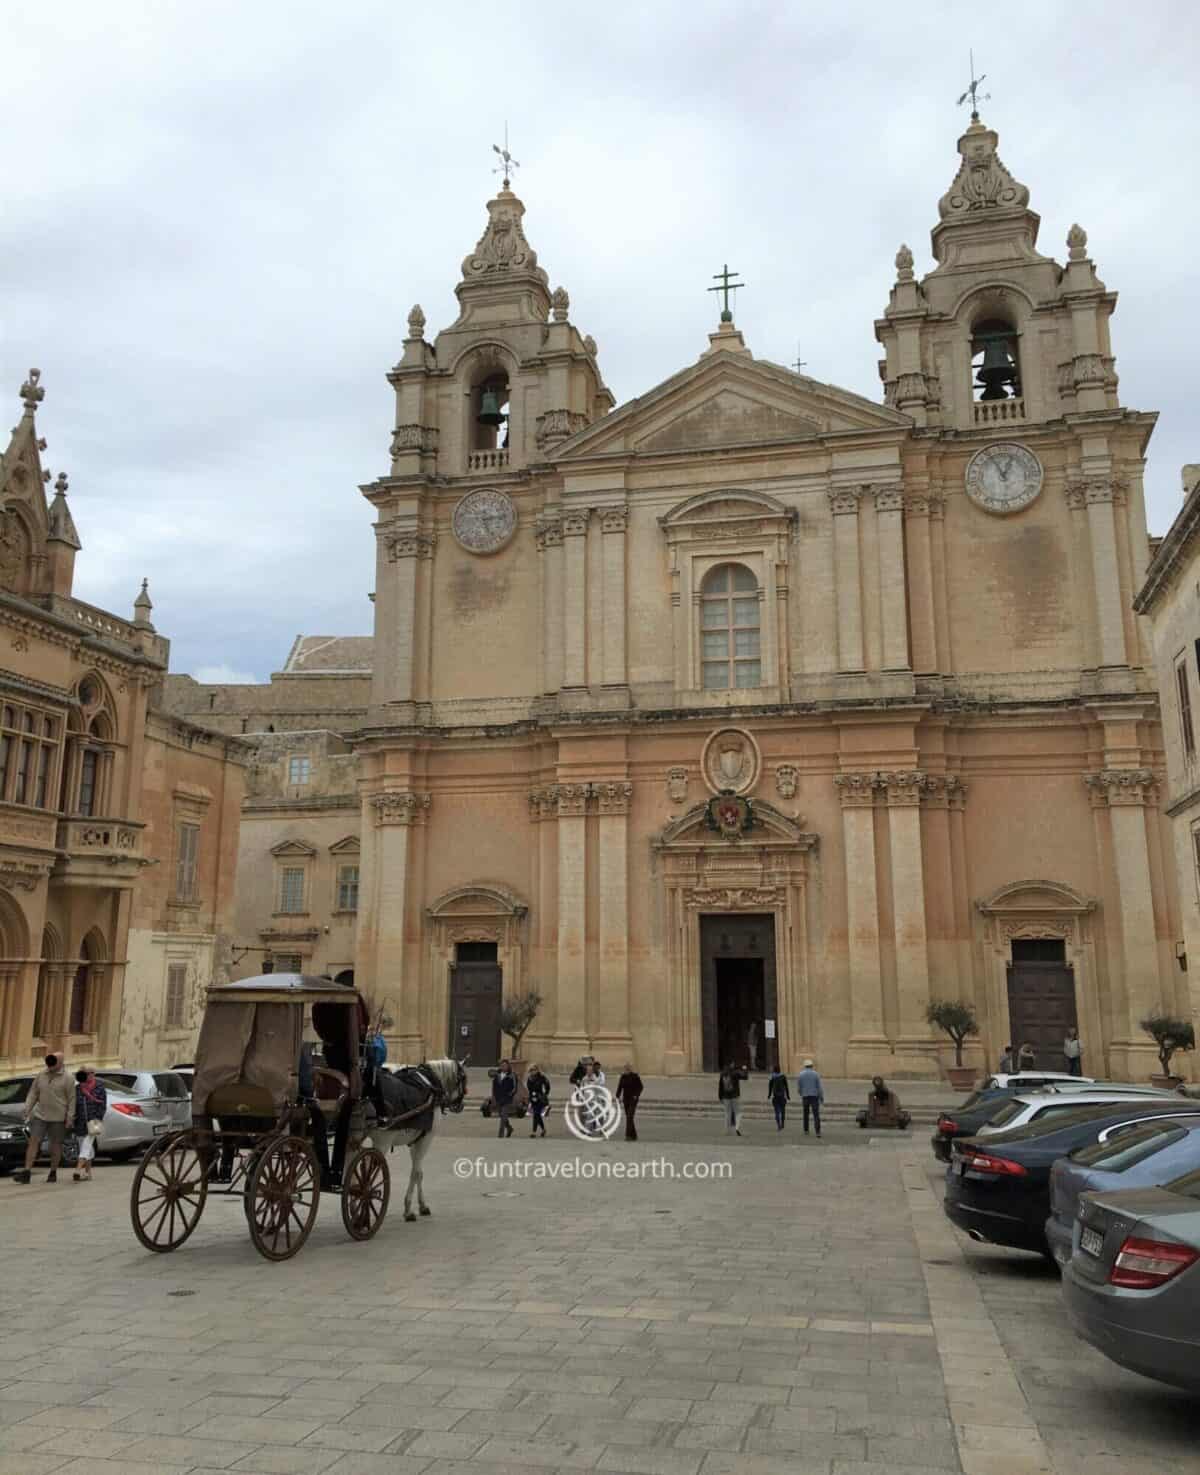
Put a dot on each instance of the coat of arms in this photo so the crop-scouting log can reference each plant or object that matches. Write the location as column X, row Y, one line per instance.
column 729, row 814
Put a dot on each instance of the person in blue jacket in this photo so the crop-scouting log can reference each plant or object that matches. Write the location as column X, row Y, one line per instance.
column 811, row 1093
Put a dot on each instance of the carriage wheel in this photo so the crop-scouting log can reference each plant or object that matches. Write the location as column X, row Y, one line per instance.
column 366, row 1189
column 282, row 1193
column 168, row 1193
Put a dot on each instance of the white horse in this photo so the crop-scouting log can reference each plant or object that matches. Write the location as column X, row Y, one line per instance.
column 444, row 1087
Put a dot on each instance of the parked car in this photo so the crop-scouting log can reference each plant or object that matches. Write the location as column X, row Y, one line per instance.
column 1029, row 1080
column 1034, row 1106
column 1132, row 1285
column 998, row 1187
column 142, row 1105
column 982, row 1106
column 14, row 1135
column 1145, row 1156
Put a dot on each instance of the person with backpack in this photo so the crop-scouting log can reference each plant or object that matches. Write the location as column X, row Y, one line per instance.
column 729, row 1092
column 779, row 1096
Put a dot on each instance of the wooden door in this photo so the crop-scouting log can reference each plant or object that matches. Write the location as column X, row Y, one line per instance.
column 475, row 989
column 1041, row 1008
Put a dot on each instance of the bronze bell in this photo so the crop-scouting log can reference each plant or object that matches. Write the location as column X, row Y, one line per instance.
column 997, row 370
column 489, row 409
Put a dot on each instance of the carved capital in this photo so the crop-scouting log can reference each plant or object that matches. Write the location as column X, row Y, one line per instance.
column 400, row 807
column 411, row 543
column 858, row 790
column 1076, row 494
column 904, row 787
column 916, row 504
column 556, row 425
column 549, row 534
column 843, row 501
column 910, row 389
column 543, row 803
column 612, row 798
column 414, row 438
column 573, row 799
column 1087, row 369
column 614, row 519
column 575, row 522
column 1121, row 786
column 889, row 498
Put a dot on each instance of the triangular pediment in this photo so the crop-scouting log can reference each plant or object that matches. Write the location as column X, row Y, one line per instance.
column 347, row 846
column 292, row 849
column 729, row 399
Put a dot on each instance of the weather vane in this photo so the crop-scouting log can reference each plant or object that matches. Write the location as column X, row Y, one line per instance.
column 508, row 163
column 973, row 91
column 725, row 286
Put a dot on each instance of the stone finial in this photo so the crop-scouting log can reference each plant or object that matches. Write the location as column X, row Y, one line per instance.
column 589, row 343
column 1077, row 243
column 416, row 322
column 502, row 250
column 61, row 524
column 560, row 303
column 904, row 264
column 982, row 184
column 142, row 606
column 32, row 392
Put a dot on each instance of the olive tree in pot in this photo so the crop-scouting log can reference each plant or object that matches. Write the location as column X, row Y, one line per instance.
column 516, row 1015
column 957, row 1019
column 1169, row 1034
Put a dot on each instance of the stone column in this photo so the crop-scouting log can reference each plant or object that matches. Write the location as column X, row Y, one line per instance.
column 395, row 815
column 571, row 1024
column 1101, row 493
column 847, row 578
column 893, row 611
column 1128, row 792
column 613, row 522
column 610, row 1034
column 920, row 583
column 550, row 544
column 867, row 1042
column 904, row 793
column 575, row 526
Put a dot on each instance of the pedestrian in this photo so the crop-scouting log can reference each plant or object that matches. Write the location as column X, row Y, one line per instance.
column 629, row 1093
column 50, row 1111
column 729, row 1091
column 1005, row 1067
column 91, row 1102
column 752, row 1045
column 812, row 1094
column 594, row 1076
column 538, row 1086
column 504, row 1091
column 580, row 1070
column 1073, row 1053
column 779, row 1096
column 1026, row 1058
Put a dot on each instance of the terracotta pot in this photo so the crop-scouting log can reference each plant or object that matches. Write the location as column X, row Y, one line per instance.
column 961, row 1077
column 1167, row 1083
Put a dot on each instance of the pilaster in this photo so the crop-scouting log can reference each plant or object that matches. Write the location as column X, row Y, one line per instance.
column 610, row 1027
column 905, row 792
column 395, row 816
column 858, row 793
column 574, row 529
column 893, row 614
column 550, row 546
column 843, row 503
column 613, row 523
column 1101, row 495
column 570, row 1034
column 920, row 583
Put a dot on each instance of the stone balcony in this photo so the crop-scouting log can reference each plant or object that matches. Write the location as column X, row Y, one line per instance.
column 998, row 411
column 487, row 460
column 104, row 852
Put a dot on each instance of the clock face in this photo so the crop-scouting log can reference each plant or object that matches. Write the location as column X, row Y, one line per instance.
column 1003, row 478
column 485, row 520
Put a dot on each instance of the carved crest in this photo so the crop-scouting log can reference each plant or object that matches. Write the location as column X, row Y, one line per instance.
column 730, row 815
column 503, row 248
column 982, row 182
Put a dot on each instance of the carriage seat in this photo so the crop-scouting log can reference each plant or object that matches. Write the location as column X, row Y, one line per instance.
column 330, row 1088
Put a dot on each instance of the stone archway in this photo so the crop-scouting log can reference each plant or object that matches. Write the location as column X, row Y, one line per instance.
column 14, row 950
column 480, row 912
column 1039, row 909
column 765, row 871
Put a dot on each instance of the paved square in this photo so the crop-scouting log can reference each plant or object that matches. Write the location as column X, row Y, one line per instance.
column 814, row 1314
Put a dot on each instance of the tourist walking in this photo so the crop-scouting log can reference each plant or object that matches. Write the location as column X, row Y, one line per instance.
column 1073, row 1053
column 538, row 1086
column 504, row 1091
column 1006, row 1061
column 729, row 1091
column 812, row 1094
column 50, row 1111
column 91, row 1102
column 629, row 1093
column 779, row 1096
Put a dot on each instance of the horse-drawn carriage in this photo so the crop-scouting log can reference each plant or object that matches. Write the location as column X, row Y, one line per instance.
column 264, row 1109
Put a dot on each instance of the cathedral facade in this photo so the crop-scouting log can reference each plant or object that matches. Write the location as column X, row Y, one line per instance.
column 743, row 720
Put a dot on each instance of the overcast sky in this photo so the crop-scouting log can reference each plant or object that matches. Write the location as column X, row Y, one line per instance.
column 215, row 218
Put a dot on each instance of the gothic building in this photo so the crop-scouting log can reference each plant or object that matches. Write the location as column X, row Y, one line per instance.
column 118, row 821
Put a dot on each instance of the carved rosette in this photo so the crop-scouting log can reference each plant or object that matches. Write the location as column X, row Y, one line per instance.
column 733, row 898
column 614, row 519
column 612, row 798
column 787, row 776
column 414, row 438
column 575, row 522
column 843, row 501
column 401, row 807
column 1121, row 786
column 548, row 534
column 858, row 790
column 888, row 498
column 556, row 425
column 677, row 785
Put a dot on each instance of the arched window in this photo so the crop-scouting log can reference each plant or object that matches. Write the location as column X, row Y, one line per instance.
column 995, row 366
column 729, row 628
column 489, row 413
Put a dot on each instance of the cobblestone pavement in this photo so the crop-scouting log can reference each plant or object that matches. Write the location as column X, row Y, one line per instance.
column 794, row 1318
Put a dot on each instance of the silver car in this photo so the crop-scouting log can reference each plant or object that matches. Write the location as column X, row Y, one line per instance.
column 142, row 1105
column 1139, row 1155
column 1033, row 1106
column 1132, row 1284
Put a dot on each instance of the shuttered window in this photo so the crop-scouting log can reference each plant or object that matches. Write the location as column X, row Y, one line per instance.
column 347, row 896
column 187, row 852
column 1183, row 688
column 173, row 1010
column 291, row 889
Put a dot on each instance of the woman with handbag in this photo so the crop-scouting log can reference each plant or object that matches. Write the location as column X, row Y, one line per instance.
column 91, row 1102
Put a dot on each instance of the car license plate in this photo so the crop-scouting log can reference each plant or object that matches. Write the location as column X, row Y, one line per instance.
column 960, row 1165
column 161, row 1127
column 1090, row 1241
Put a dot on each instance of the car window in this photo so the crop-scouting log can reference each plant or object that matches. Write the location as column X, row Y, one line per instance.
column 1007, row 1113
column 1056, row 1108
column 1188, row 1185
column 171, row 1086
column 123, row 1080
column 17, row 1090
column 1133, row 1145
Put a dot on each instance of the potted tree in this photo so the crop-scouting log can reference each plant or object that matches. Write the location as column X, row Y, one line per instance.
column 516, row 1015
column 957, row 1019
column 1169, row 1035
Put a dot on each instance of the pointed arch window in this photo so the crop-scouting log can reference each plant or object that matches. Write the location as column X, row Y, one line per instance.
column 730, row 629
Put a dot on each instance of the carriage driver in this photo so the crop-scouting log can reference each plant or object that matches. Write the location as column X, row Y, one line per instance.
column 316, row 1117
